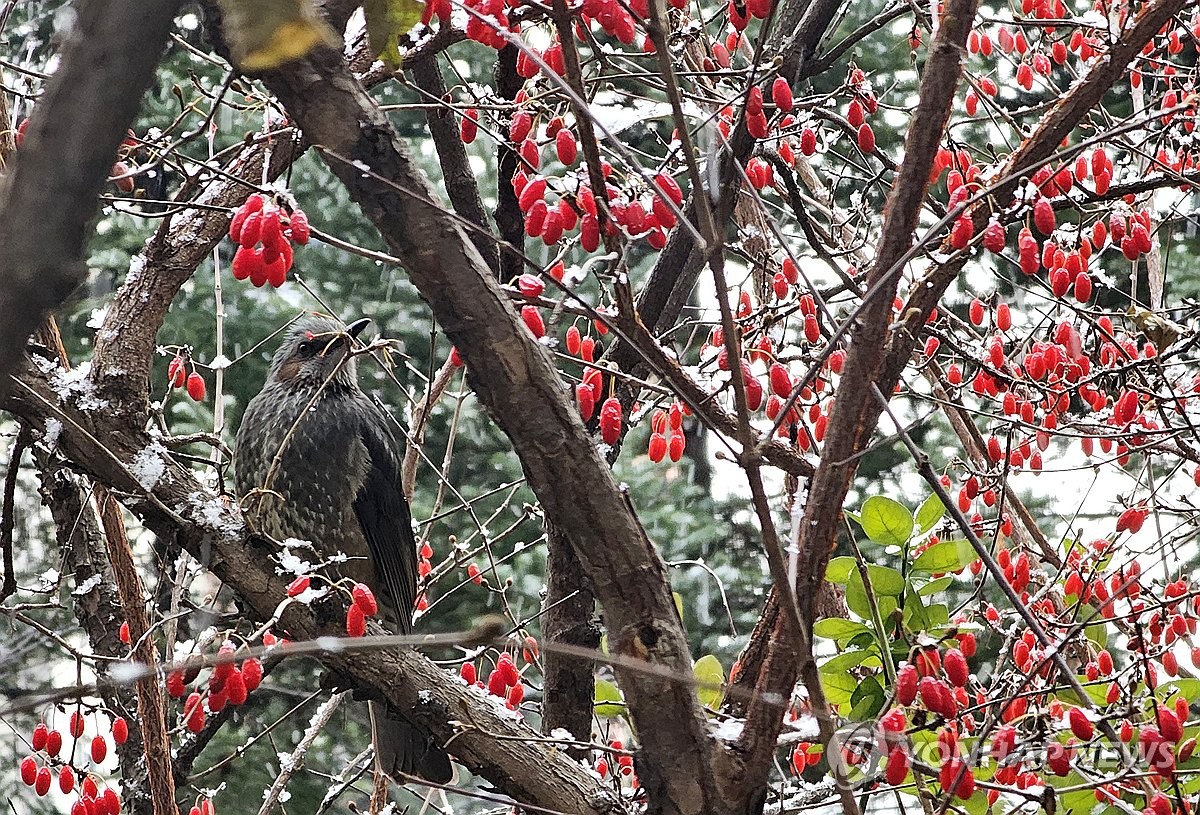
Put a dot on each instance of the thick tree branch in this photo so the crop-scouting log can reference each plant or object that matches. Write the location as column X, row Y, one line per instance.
column 175, row 506
column 50, row 194
column 851, row 426
column 514, row 378
column 457, row 175
column 569, row 617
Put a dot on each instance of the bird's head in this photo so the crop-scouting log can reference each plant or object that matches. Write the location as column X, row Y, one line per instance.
column 315, row 350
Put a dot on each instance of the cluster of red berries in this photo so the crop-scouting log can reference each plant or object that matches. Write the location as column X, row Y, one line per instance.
column 204, row 806
column 178, row 376
column 551, row 213
column 228, row 683
column 504, row 680
column 807, row 418
column 666, row 433
column 38, row 771
column 624, row 763
column 264, row 233
column 362, row 606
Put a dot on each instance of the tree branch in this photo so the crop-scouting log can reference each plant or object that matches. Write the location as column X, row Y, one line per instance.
column 50, row 194
column 514, row 378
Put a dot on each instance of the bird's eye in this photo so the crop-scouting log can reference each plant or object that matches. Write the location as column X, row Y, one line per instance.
column 305, row 348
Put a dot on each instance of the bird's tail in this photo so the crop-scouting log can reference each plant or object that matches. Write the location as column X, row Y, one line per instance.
column 402, row 747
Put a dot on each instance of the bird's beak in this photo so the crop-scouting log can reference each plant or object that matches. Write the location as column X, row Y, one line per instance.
column 355, row 328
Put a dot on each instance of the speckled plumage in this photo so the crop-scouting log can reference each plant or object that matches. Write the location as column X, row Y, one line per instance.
column 338, row 485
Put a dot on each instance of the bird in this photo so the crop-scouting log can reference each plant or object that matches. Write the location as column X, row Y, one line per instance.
column 316, row 459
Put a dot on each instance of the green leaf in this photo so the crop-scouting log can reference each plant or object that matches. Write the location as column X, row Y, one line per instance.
column 850, row 659
column 609, row 701
column 936, row 586
column 929, row 513
column 919, row 617
column 710, row 677
column 1187, row 688
column 886, row 521
column 856, row 596
column 946, row 556
column 839, row 569
column 885, row 580
column 678, row 598
column 387, row 22
column 836, row 628
column 839, row 686
column 867, row 699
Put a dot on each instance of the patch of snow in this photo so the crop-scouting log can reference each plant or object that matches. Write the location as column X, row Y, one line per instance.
column 310, row 594
column 86, row 586
column 331, row 644
column 219, row 362
column 96, row 319
column 730, row 729
column 53, row 430
column 149, row 465
column 562, row 734
column 806, row 727
column 48, row 579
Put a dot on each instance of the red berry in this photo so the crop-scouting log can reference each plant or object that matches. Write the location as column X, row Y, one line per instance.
column 467, row 672
column 235, row 688
column 1080, row 724
column 364, row 598
column 1043, row 216
column 975, row 311
column 66, row 779
column 356, row 623
column 532, row 318
column 298, row 225
column 610, row 420
column 781, row 95
column 41, row 784
column 176, row 374
column 76, row 727
column 40, row 735
column 994, row 237
column 566, row 147
column 956, row 668
column 124, row 632
column 299, row 585
column 54, row 742
column 195, row 386
column 866, row 138
column 906, row 685
column 658, row 447
column 29, row 771
column 99, row 748
column 193, row 713
column 468, row 128
column 120, row 730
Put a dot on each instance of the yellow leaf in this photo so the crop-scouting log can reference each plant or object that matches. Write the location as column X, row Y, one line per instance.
column 264, row 34
column 387, row 22
column 710, row 677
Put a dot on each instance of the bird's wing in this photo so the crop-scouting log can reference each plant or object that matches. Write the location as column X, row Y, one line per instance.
column 384, row 517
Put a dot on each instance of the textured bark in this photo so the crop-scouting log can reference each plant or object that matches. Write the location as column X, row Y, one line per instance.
column 514, row 378
column 50, row 194
column 457, row 175
column 852, row 421
column 509, row 219
column 99, row 611
column 569, row 617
